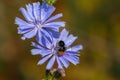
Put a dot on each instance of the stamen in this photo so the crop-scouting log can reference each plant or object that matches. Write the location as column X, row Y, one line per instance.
column 39, row 26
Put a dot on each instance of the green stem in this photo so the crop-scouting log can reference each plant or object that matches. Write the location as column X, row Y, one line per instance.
column 51, row 78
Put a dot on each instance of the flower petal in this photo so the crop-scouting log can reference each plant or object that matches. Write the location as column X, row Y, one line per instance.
column 48, row 11
column 30, row 34
column 23, row 31
column 55, row 24
column 43, row 10
column 54, row 18
column 64, row 61
column 39, row 36
column 44, row 59
column 25, row 27
column 60, row 66
column 72, row 53
column 36, row 8
column 43, row 40
column 26, row 15
column 47, row 35
column 63, row 35
column 50, row 63
column 30, row 11
column 21, row 22
column 72, row 59
column 75, row 48
column 70, row 40
column 42, row 52
column 36, row 45
column 54, row 33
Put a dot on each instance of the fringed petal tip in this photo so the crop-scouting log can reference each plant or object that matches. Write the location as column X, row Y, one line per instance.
column 23, row 38
column 80, row 47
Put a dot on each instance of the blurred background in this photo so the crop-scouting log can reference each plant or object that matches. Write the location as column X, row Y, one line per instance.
column 95, row 22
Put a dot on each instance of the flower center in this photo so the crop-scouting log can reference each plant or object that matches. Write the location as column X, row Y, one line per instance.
column 39, row 26
column 61, row 48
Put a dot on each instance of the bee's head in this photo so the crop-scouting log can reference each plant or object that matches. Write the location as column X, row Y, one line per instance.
column 61, row 43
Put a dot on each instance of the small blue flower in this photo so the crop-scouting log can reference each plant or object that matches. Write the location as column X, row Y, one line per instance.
column 59, row 51
column 39, row 22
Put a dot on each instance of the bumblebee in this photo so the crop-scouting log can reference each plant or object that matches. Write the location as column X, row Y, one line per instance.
column 61, row 48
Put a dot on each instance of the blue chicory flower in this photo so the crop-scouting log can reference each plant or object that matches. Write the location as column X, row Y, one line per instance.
column 59, row 50
column 39, row 22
